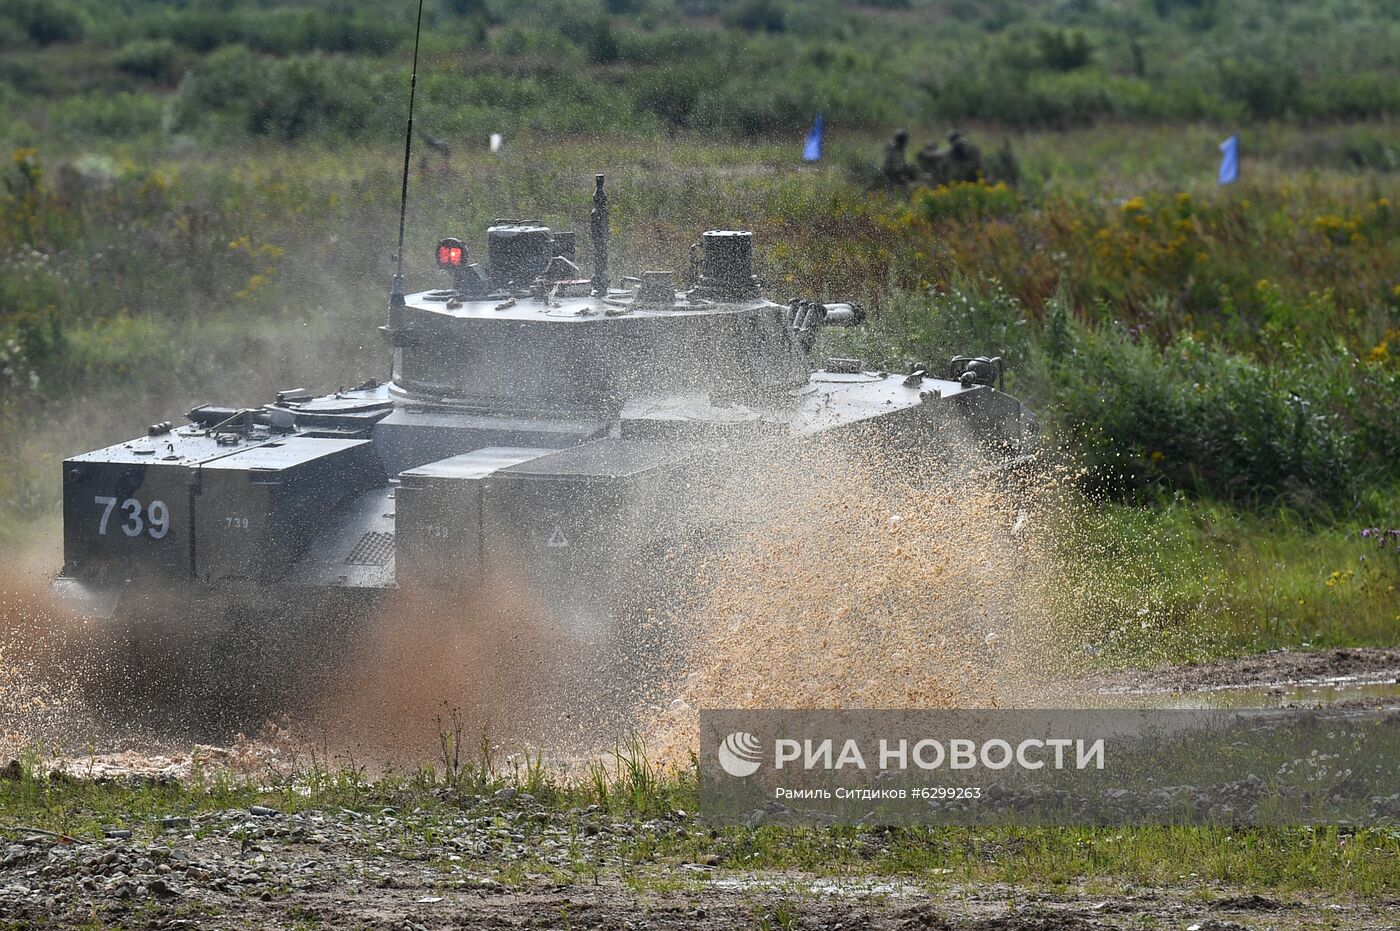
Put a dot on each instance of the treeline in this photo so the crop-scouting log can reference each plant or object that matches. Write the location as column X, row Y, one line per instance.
column 742, row 68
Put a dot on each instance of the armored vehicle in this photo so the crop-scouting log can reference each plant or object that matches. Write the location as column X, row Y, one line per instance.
column 534, row 417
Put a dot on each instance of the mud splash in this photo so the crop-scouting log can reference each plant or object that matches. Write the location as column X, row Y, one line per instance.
column 495, row 663
column 45, row 657
column 847, row 574
column 888, row 583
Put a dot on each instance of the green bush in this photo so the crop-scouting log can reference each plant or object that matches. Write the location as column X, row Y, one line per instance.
column 739, row 107
column 12, row 34
column 1306, row 432
column 197, row 30
column 31, row 324
column 151, row 59
column 281, row 31
column 601, row 46
column 1265, row 89
column 969, row 319
column 1061, row 50
column 115, row 116
column 664, row 47
column 1348, row 96
column 757, row 16
column 670, row 97
column 287, row 99
column 45, row 21
column 470, row 9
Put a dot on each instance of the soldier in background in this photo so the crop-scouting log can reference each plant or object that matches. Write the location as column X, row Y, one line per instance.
column 964, row 160
column 933, row 165
column 958, row 162
column 897, row 172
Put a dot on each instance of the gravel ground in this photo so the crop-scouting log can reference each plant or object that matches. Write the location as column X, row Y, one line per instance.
column 509, row 863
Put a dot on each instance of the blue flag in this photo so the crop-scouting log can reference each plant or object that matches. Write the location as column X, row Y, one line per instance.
column 1230, row 160
column 812, row 149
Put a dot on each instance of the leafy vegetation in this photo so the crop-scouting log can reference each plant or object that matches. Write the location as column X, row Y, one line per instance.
column 754, row 67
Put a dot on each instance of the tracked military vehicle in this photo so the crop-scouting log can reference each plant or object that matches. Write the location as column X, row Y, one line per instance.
column 533, row 414
column 534, row 417
column 542, row 436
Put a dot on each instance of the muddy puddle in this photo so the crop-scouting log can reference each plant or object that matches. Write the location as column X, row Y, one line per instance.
column 1341, row 691
column 1279, row 679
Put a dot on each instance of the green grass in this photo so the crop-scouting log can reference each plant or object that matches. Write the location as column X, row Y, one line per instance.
column 1191, row 581
column 1316, row 860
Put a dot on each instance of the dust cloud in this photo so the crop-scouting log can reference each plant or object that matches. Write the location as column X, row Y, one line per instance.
column 830, row 574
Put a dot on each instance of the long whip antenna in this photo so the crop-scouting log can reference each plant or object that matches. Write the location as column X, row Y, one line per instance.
column 396, row 291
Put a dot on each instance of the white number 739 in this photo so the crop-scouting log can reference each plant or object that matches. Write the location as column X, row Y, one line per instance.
column 157, row 515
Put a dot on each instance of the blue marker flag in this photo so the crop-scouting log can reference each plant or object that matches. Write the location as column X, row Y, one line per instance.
column 812, row 149
column 1230, row 160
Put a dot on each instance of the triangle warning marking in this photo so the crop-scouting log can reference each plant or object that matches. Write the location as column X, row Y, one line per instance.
column 557, row 539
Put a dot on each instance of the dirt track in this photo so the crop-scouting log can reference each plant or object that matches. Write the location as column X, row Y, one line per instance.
column 506, row 862
column 1262, row 671
column 513, row 864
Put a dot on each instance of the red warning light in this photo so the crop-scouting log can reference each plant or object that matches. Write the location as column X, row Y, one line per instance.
column 450, row 253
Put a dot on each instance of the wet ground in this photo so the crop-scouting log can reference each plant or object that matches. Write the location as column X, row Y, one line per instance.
column 503, row 861
column 1357, row 676
column 1267, row 679
column 509, row 863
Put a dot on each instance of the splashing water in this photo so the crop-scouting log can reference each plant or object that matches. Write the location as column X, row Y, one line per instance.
column 889, row 583
column 817, row 574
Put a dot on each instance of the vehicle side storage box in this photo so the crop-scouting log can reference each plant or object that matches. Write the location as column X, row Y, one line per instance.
column 438, row 516
column 126, row 510
column 256, row 510
column 568, row 513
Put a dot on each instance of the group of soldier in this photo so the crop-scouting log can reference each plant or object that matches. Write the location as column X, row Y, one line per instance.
column 934, row 165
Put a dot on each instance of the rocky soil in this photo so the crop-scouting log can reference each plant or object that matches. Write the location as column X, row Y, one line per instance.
column 506, row 862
